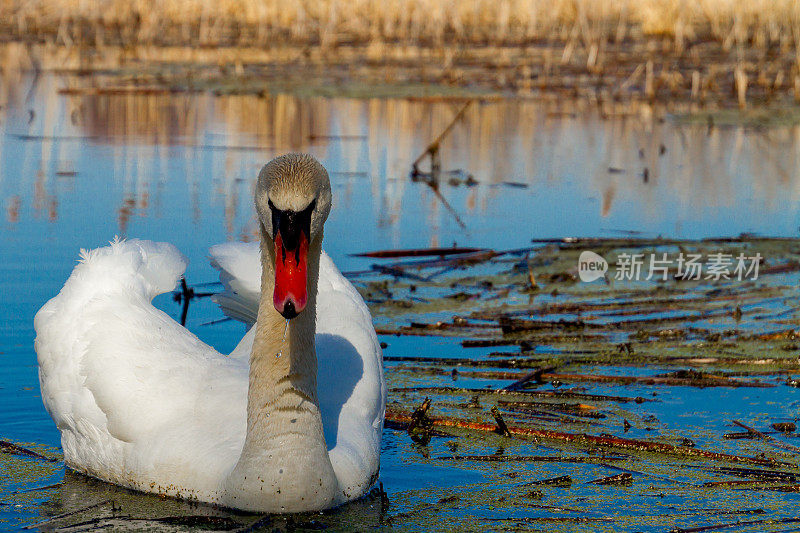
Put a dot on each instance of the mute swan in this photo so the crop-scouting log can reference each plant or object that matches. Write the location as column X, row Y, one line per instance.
column 142, row 402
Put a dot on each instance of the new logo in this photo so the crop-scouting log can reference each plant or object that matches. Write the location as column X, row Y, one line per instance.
column 591, row 266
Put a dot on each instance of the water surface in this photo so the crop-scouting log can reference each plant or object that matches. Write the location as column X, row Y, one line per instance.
column 78, row 168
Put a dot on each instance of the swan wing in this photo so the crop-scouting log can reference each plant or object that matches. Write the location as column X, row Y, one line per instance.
column 239, row 265
column 351, row 389
column 350, row 379
column 138, row 398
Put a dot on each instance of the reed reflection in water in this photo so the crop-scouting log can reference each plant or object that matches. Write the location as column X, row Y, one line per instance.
column 555, row 169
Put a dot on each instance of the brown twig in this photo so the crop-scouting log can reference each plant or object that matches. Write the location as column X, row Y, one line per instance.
column 737, row 524
column 525, row 393
column 544, row 375
column 502, row 428
column 527, row 459
column 620, row 479
column 418, row 252
column 761, row 475
column 560, row 481
column 536, row 375
column 10, row 447
column 603, row 441
column 420, row 425
column 773, row 441
column 70, row 513
column 433, row 147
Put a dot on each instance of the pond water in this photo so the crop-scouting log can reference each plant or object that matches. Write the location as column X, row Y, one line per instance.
column 78, row 167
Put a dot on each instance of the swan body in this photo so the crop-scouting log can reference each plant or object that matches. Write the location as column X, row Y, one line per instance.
column 290, row 421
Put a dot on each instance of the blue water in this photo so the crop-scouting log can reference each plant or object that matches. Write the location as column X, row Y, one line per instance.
column 79, row 170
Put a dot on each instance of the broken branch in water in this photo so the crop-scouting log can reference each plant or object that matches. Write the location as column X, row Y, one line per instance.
column 536, row 376
column 648, row 474
column 624, row 478
column 433, row 178
column 70, row 513
column 757, row 473
column 10, row 447
column 560, row 481
column 573, row 409
column 418, row 252
column 602, row 441
column 419, row 428
column 502, row 428
column 397, row 272
column 771, row 440
column 36, row 489
column 737, row 524
column 185, row 295
column 699, row 380
column 525, row 393
column 449, row 207
column 463, row 259
column 529, row 459
column 541, row 376
column 433, row 148
column 553, row 519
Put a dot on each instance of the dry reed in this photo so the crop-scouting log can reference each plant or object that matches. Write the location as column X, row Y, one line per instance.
column 712, row 53
column 760, row 23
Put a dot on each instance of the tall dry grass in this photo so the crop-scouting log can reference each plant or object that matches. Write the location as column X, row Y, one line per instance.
column 729, row 52
column 426, row 22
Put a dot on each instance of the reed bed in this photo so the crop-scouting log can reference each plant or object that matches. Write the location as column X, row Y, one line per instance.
column 764, row 23
column 710, row 53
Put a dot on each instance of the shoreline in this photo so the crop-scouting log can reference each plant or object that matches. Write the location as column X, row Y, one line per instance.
column 741, row 92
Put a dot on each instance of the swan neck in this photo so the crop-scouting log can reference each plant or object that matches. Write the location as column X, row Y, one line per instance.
column 284, row 358
column 284, row 461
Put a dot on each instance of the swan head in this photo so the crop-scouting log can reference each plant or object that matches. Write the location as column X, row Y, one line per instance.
column 293, row 200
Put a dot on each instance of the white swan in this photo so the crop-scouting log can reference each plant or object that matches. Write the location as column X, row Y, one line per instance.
column 142, row 402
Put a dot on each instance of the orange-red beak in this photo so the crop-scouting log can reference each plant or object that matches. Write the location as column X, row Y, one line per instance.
column 291, row 234
column 291, row 292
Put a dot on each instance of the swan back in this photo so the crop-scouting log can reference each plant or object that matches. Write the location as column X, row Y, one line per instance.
column 140, row 401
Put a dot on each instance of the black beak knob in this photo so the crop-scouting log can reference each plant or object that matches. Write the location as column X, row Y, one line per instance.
column 289, row 311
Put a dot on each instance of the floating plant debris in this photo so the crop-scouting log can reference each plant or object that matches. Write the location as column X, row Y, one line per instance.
column 570, row 367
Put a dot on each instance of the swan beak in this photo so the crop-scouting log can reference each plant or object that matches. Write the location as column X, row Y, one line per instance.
column 291, row 293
